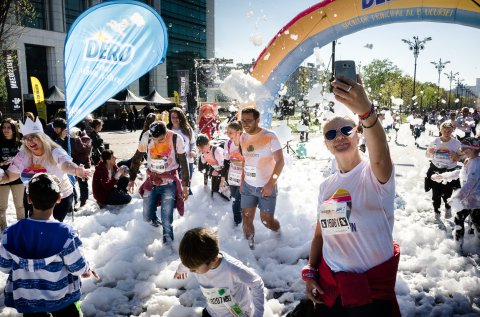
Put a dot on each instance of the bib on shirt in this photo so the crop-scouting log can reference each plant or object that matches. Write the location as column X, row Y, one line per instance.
column 220, row 297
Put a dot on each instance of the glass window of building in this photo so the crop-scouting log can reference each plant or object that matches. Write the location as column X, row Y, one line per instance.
column 144, row 84
column 73, row 9
column 38, row 21
column 36, row 57
column 186, row 21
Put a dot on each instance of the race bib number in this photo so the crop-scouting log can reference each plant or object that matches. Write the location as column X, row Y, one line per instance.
column 221, row 298
column 333, row 219
column 158, row 165
column 234, row 175
column 250, row 173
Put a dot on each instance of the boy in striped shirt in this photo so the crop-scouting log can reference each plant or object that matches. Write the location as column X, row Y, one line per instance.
column 42, row 257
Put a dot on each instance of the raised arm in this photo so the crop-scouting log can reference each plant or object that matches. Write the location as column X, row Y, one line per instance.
column 353, row 95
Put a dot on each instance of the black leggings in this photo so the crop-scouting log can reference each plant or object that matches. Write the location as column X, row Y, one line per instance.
column 460, row 221
column 440, row 191
column 69, row 311
column 376, row 308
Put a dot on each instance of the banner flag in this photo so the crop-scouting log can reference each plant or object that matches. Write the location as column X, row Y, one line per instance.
column 12, row 81
column 39, row 98
column 183, row 88
column 109, row 46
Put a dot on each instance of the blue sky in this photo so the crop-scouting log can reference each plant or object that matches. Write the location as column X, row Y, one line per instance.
column 238, row 21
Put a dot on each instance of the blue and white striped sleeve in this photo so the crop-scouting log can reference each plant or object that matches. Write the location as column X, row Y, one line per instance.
column 73, row 257
column 6, row 260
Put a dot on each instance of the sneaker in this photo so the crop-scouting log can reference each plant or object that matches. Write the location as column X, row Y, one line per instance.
column 251, row 243
column 448, row 213
column 155, row 223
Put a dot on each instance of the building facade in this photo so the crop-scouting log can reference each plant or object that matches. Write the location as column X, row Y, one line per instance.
column 190, row 25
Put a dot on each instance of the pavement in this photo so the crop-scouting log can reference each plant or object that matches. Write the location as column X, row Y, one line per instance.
column 124, row 144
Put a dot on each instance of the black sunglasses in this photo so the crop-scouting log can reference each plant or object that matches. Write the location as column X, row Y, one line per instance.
column 332, row 134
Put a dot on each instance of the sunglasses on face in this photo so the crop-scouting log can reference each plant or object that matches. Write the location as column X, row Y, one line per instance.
column 332, row 134
column 29, row 138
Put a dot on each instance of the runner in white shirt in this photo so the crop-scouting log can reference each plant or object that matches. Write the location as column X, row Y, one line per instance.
column 178, row 123
column 263, row 163
column 165, row 153
column 230, row 288
column 355, row 217
column 444, row 152
column 234, row 155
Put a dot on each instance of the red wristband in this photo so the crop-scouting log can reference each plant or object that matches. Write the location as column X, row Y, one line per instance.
column 367, row 114
column 309, row 273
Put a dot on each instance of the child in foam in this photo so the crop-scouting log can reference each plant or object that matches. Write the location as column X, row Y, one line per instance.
column 40, row 154
column 469, row 195
column 230, row 287
column 46, row 264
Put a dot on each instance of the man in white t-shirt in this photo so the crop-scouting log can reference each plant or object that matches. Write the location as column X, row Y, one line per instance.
column 263, row 163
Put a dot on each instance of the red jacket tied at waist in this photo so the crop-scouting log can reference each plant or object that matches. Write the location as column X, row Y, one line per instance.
column 155, row 178
column 356, row 289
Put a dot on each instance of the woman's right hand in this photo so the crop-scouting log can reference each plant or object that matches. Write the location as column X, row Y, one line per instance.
column 314, row 291
column 131, row 186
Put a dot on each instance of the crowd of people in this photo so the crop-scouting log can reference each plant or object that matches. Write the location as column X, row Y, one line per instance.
column 353, row 258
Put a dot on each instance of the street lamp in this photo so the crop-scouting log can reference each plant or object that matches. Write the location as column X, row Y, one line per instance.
column 439, row 66
column 451, row 77
column 416, row 45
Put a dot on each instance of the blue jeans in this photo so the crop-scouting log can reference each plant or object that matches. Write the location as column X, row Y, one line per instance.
column 236, row 208
column 166, row 195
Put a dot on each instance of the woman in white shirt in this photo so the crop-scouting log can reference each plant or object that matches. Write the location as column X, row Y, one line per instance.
column 39, row 154
column 353, row 261
column 177, row 122
column 444, row 153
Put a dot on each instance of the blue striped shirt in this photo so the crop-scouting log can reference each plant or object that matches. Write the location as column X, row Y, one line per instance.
column 44, row 262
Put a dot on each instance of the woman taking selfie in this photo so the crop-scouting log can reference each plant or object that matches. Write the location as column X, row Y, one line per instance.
column 353, row 260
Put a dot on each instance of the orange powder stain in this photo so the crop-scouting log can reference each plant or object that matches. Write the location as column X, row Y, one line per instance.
column 161, row 150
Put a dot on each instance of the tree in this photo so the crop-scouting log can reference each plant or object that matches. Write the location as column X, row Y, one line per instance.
column 378, row 77
column 14, row 15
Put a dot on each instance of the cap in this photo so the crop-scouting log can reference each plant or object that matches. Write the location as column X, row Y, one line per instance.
column 471, row 143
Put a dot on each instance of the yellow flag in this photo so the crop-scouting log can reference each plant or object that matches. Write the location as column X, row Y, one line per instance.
column 176, row 97
column 39, row 98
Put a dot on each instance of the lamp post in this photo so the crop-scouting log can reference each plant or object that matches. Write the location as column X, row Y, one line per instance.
column 439, row 66
column 416, row 45
column 451, row 77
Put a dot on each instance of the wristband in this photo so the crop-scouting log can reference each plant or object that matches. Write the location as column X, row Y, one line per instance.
column 367, row 114
column 309, row 273
column 368, row 127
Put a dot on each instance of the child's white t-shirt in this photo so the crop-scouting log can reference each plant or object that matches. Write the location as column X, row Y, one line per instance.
column 232, row 278
column 355, row 212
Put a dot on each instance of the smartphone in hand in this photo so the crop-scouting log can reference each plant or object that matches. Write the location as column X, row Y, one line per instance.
column 346, row 69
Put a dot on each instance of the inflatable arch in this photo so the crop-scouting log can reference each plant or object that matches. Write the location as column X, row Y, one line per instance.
column 331, row 19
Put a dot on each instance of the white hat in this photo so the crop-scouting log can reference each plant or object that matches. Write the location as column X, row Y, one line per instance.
column 31, row 127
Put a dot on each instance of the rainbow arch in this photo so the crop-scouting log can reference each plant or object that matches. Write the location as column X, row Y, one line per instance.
column 332, row 19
